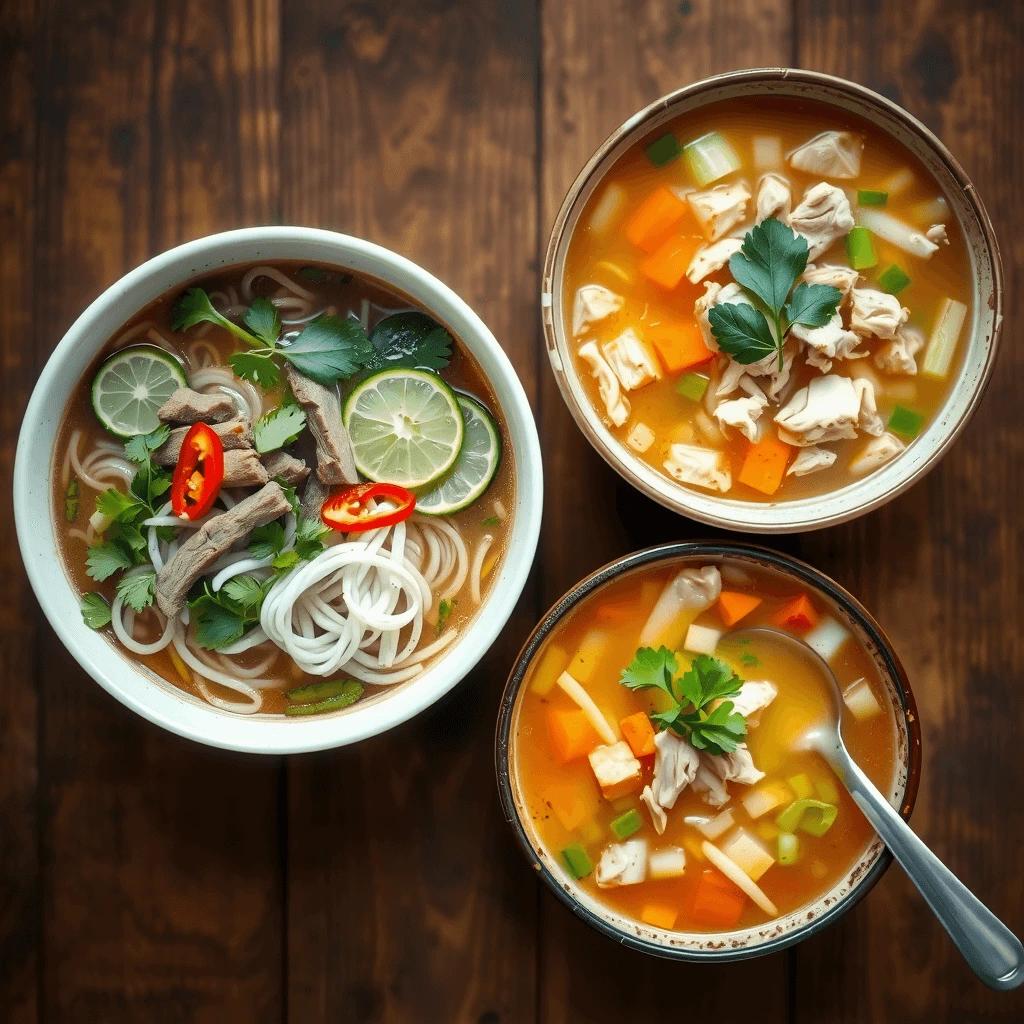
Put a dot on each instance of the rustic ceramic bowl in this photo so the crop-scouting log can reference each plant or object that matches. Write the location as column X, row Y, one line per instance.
column 124, row 676
column 982, row 333
column 786, row 930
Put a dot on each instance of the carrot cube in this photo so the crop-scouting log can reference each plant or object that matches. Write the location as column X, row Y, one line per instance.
column 680, row 345
column 639, row 733
column 797, row 614
column 765, row 465
column 668, row 263
column 659, row 917
column 571, row 804
column 571, row 735
column 733, row 605
column 653, row 220
column 718, row 903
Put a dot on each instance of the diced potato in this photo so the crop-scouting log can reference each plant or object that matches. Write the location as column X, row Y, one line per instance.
column 748, row 852
column 767, row 153
column 827, row 638
column 575, row 691
column 861, row 701
column 760, row 801
column 551, row 665
column 588, row 656
column 702, row 639
column 668, row 862
column 640, row 438
column 607, row 208
column 712, row 828
column 616, row 769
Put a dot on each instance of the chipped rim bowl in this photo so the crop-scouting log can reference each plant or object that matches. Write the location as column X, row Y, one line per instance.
column 122, row 675
column 982, row 341
column 806, row 920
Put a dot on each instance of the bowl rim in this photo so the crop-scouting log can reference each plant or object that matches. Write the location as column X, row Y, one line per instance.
column 707, row 549
column 177, row 711
column 737, row 514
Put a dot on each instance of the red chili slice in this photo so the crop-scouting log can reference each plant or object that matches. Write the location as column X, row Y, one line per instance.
column 198, row 474
column 349, row 512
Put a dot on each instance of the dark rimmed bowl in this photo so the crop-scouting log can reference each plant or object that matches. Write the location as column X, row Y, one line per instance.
column 806, row 920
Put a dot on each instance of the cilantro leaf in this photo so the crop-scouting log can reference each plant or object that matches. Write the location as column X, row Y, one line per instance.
column 772, row 257
column 279, row 427
column 329, row 349
column 72, row 497
column 105, row 559
column 117, row 506
column 813, row 305
column 719, row 732
column 141, row 446
column 742, row 332
column 267, row 541
column 412, row 340
column 255, row 368
column 309, row 538
column 714, row 680
column 150, row 483
column 244, row 590
column 137, row 589
column 128, row 536
column 216, row 625
column 286, row 560
column 226, row 616
column 650, row 668
column 263, row 319
column 314, row 274
column 95, row 611
column 289, row 492
column 444, row 613
column 750, row 660
column 195, row 307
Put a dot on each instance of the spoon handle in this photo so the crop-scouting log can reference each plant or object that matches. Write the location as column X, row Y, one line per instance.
column 994, row 953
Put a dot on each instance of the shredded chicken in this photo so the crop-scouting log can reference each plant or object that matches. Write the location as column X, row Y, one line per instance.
column 823, row 344
column 876, row 313
column 937, row 234
column 675, row 765
column 869, row 421
column 897, row 356
column 754, row 696
column 830, row 154
column 631, row 360
column 744, row 413
column 769, row 367
column 615, row 404
column 877, row 452
column 690, row 590
column 701, row 308
column 810, row 460
column 827, row 409
column 622, row 864
column 843, row 278
column 592, row 304
column 710, row 258
column 719, row 209
column 702, row 467
column 737, row 766
column 822, row 217
column 774, row 198
column 710, row 786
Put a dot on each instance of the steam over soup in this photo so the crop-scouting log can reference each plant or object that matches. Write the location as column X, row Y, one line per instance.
column 657, row 758
column 283, row 488
column 767, row 299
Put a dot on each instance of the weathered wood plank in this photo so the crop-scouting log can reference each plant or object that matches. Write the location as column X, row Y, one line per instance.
column 414, row 126
column 940, row 565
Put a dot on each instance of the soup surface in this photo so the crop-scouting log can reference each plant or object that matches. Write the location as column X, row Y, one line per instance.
column 344, row 526
column 658, row 804
column 844, row 235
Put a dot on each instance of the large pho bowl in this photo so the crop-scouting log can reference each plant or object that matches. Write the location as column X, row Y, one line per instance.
column 142, row 690
column 982, row 332
column 791, row 928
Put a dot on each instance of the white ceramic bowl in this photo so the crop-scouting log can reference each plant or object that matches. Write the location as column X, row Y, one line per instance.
column 145, row 692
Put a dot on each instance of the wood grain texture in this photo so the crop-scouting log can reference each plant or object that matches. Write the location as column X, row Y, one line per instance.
column 940, row 566
column 414, row 125
column 161, row 884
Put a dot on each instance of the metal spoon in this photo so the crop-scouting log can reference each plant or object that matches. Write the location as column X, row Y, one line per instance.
column 993, row 952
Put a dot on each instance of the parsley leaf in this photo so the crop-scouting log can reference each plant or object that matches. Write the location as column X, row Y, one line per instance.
column 309, row 538
column 226, row 616
column 772, row 257
column 813, row 305
column 750, row 660
column 264, row 321
column 286, row 560
column 741, row 331
column 329, row 349
column 244, row 590
column 95, row 611
column 711, row 679
column 195, row 307
column 651, row 668
column 279, row 427
column 141, row 446
column 412, row 340
column 444, row 613
column 117, row 506
column 267, row 541
column 137, row 589
column 105, row 559
column 255, row 368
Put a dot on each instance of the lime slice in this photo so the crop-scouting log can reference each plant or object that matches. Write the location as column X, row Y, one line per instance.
column 405, row 427
column 131, row 386
column 475, row 467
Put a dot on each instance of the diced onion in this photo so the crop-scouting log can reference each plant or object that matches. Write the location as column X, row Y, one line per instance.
column 709, row 158
column 712, row 828
column 898, row 182
column 748, row 853
column 861, row 701
column 760, row 801
column 736, row 874
column 589, row 708
column 826, row 638
column 668, row 862
column 641, row 437
column 942, row 344
column 903, row 236
column 607, row 208
column 767, row 153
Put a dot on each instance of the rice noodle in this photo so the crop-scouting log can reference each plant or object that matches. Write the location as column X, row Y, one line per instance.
column 124, row 631
column 132, row 333
column 209, row 671
column 235, row 707
column 252, row 639
column 247, row 399
column 203, row 354
column 275, row 275
column 499, row 509
column 255, row 671
column 478, row 564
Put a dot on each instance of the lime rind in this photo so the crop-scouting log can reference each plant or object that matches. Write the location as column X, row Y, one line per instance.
column 130, row 387
column 406, row 427
column 474, row 469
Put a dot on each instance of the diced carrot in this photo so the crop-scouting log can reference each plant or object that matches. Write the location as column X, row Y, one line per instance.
column 639, row 733
column 797, row 614
column 680, row 345
column 734, row 605
column 659, row 917
column 572, row 803
column 718, row 903
column 571, row 734
column 652, row 221
column 667, row 264
column 765, row 465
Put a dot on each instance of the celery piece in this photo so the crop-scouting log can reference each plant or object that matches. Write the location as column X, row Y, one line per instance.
column 801, row 785
column 709, row 158
column 663, row 150
column 321, row 707
column 872, row 197
column 813, row 816
column 893, row 280
column 577, row 861
column 322, row 691
column 789, row 848
column 938, row 356
column 692, row 386
column 905, row 422
column 827, row 790
column 860, row 249
column 626, row 824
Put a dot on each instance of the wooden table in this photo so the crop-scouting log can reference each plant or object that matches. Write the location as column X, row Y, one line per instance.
column 145, row 878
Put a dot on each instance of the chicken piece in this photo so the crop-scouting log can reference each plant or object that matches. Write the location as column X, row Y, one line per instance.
column 769, row 367
column 754, row 696
column 631, row 360
column 936, row 234
column 622, row 864
column 720, row 209
column 691, row 590
column 823, row 344
column 712, row 789
column 876, row 313
column 733, row 376
column 710, row 258
column 897, row 356
column 675, row 765
column 607, row 384
column 592, row 304
column 614, row 764
column 702, row 467
column 843, row 278
column 737, row 766
column 701, row 309
column 877, row 452
column 830, row 154
column 810, row 460
column 868, row 420
column 743, row 414
column 774, row 198
column 822, row 217
column 827, row 409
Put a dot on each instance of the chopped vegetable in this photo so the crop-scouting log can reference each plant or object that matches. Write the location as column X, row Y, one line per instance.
column 736, row 874
column 574, row 690
column 668, row 263
column 710, row 158
column 322, row 707
column 747, row 853
column 680, row 345
column 588, row 655
column 789, row 848
column 899, row 181
column 616, row 769
column 570, row 734
column 935, row 211
column 702, row 639
column 765, row 465
column 826, row 789
column 938, row 356
column 653, row 220
column 355, row 509
column 322, row 691
column 137, row 588
column 718, row 903
column 801, row 785
column 639, row 733
column 659, row 916
column 861, row 701
column 734, row 605
column 668, row 862
column 572, row 803
column 663, row 150
column 827, row 638
column 712, row 828
column 552, row 664
column 905, row 422
column 758, row 802
column 577, row 861
column 767, row 153
column 894, row 231
column 640, row 438
column 95, row 611
column 279, row 427
column 199, row 473
column 893, row 280
column 812, row 816
column 872, row 197
column 607, row 208
column 692, row 386
column 860, row 249
column 71, row 500
column 627, row 824
column 797, row 614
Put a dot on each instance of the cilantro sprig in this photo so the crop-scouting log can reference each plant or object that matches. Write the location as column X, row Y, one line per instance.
column 770, row 260
column 279, row 428
column 698, row 708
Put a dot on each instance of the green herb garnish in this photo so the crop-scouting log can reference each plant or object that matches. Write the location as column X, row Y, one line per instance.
column 309, row 536
column 490, row 521
column 95, row 611
column 140, row 447
column 279, row 428
column 267, row 541
column 412, row 340
column 444, row 613
column 137, row 589
column 750, row 660
column 225, row 616
column 71, row 500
